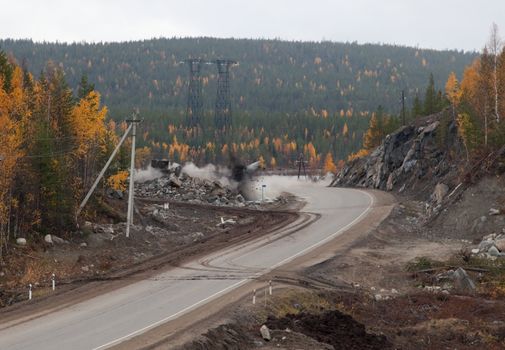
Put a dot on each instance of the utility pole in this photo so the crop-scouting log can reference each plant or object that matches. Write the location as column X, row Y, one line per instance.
column 129, row 217
column 111, row 158
column 133, row 128
column 403, row 106
column 301, row 165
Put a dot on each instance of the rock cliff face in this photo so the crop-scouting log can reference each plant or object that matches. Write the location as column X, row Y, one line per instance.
column 414, row 158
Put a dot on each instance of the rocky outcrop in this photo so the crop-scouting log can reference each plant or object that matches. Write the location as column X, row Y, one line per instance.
column 406, row 159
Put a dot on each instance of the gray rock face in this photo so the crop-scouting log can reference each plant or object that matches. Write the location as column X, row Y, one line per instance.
column 265, row 333
column 462, row 281
column 405, row 157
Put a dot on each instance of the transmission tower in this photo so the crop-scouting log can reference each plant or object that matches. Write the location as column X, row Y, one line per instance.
column 222, row 116
column 194, row 110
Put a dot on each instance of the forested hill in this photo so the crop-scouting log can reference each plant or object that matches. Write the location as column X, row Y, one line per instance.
column 304, row 93
column 273, row 76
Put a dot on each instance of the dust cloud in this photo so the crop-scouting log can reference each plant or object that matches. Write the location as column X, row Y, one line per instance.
column 275, row 185
column 210, row 172
column 149, row 174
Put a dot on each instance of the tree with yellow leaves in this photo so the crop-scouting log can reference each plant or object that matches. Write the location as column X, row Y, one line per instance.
column 273, row 163
column 88, row 125
column 453, row 92
column 329, row 165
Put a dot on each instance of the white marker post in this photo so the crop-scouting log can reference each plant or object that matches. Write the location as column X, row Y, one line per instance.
column 262, row 192
column 254, row 296
column 270, row 287
column 30, row 291
column 53, row 281
column 265, row 298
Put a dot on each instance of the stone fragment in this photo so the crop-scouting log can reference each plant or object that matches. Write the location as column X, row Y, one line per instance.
column 265, row 333
column 462, row 281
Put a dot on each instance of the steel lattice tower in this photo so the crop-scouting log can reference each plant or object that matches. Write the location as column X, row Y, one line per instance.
column 194, row 110
column 222, row 116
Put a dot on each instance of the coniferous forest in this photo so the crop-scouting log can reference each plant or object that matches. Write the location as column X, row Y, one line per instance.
column 287, row 97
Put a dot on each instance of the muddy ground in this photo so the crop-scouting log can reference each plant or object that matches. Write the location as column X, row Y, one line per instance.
column 101, row 252
column 383, row 290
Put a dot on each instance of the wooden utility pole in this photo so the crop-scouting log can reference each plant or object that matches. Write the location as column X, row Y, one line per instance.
column 129, row 217
column 111, row 158
column 133, row 128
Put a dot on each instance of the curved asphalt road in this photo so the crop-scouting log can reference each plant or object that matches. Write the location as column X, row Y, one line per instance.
column 114, row 317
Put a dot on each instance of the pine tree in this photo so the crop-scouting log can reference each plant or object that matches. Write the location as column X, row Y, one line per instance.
column 84, row 87
column 417, row 107
column 430, row 98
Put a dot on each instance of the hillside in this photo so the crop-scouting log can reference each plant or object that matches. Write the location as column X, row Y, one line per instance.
column 273, row 76
column 302, row 95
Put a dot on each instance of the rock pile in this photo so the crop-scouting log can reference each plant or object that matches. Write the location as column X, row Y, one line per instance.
column 492, row 246
column 184, row 188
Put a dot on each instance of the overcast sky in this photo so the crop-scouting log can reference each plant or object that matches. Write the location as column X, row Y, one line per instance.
column 439, row 24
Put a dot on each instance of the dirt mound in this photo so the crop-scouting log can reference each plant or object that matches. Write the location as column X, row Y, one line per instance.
column 332, row 327
column 227, row 336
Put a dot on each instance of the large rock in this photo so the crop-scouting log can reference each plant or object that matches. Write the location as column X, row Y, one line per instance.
column 173, row 181
column 21, row 241
column 500, row 244
column 265, row 333
column 463, row 282
column 58, row 240
column 48, row 239
column 493, row 251
column 440, row 192
column 485, row 245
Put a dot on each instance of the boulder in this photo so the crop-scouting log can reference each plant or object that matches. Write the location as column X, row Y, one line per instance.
column 48, row 239
column 173, row 181
column 493, row 251
column 494, row 211
column 500, row 244
column 440, row 192
column 58, row 240
column 265, row 333
column 462, row 281
column 21, row 241
column 485, row 245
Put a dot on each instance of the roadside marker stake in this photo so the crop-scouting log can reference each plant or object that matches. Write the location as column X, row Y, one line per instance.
column 53, row 280
column 270, row 287
column 30, row 291
column 254, row 296
column 265, row 298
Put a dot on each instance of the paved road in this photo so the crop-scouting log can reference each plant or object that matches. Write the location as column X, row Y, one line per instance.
column 114, row 317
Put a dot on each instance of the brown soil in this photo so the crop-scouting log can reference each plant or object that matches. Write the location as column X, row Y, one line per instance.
column 331, row 327
column 115, row 263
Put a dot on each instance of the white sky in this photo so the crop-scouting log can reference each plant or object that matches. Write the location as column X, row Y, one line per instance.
column 439, row 24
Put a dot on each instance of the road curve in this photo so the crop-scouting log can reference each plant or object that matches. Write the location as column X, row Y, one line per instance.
column 114, row 317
